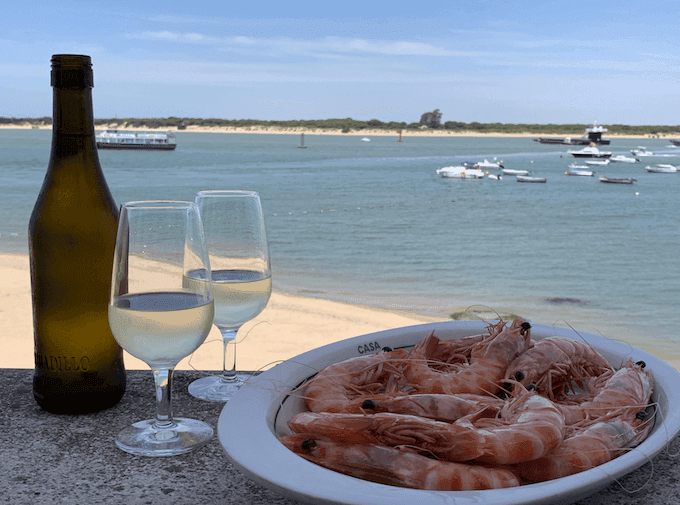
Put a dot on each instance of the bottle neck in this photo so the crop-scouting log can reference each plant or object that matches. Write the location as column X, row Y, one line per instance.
column 72, row 112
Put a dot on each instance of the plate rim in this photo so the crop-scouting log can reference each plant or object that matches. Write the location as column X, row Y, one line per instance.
column 257, row 453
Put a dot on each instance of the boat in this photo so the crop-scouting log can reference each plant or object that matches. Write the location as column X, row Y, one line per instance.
column 494, row 177
column 620, row 158
column 617, row 180
column 597, row 162
column 302, row 141
column 460, row 172
column 590, row 152
column 490, row 164
column 641, row 151
column 592, row 134
column 584, row 172
column 114, row 139
column 514, row 171
column 675, row 142
column 662, row 169
column 365, row 139
column 528, row 178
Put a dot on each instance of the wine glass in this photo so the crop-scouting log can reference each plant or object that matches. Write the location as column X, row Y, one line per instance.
column 241, row 277
column 158, row 319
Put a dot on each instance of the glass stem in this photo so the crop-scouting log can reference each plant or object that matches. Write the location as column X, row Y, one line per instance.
column 229, row 355
column 163, row 380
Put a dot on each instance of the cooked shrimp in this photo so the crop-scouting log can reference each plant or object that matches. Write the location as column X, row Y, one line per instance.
column 432, row 406
column 398, row 468
column 626, row 393
column 342, row 387
column 527, row 427
column 488, row 362
column 551, row 363
column 587, row 449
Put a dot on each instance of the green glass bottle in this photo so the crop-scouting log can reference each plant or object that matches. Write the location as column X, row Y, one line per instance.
column 72, row 233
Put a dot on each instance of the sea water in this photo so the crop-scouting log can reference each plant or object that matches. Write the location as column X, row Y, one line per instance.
column 372, row 223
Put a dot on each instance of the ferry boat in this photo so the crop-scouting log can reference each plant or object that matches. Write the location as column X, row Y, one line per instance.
column 127, row 139
column 592, row 134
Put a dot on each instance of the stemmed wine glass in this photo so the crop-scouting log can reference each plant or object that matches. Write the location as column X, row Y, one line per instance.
column 158, row 319
column 241, row 276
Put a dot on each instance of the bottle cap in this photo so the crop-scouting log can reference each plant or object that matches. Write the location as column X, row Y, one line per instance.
column 72, row 71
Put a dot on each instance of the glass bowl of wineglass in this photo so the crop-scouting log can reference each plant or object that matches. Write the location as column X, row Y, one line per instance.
column 158, row 319
column 241, row 277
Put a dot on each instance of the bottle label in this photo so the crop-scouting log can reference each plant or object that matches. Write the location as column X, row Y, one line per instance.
column 62, row 363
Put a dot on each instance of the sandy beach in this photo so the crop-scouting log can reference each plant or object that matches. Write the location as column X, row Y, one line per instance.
column 271, row 130
column 288, row 326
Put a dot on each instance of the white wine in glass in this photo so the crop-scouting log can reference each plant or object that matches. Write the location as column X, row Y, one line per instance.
column 158, row 319
column 241, row 277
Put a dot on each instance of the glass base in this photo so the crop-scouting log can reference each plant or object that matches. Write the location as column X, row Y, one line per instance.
column 217, row 388
column 149, row 438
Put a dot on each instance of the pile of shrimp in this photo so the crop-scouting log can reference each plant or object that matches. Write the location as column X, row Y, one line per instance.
column 488, row 411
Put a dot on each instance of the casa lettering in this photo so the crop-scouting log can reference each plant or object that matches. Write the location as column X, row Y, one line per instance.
column 62, row 363
column 370, row 347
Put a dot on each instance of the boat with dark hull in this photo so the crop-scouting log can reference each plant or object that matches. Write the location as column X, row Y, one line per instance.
column 617, row 180
column 592, row 134
column 126, row 139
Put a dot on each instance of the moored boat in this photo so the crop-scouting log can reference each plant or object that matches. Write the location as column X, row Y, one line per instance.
column 620, row 158
column 641, row 151
column 528, row 178
column 590, row 152
column 114, row 139
column 460, row 172
column 490, row 164
column 617, row 180
column 592, row 134
column 597, row 162
column 662, row 169
column 515, row 171
column 583, row 172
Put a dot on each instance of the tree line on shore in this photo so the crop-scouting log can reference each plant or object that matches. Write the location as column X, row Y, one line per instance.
column 348, row 125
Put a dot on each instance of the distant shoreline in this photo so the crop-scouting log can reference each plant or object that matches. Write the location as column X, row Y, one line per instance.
column 325, row 131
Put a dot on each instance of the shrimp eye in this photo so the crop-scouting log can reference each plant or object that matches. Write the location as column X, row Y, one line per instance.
column 519, row 376
column 642, row 415
column 309, row 444
column 531, row 387
column 368, row 404
column 641, row 364
column 387, row 349
column 525, row 327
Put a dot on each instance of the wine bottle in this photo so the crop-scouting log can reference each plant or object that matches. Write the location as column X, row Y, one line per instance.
column 72, row 233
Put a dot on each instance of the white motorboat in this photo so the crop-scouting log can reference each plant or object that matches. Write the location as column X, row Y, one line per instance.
column 460, row 173
column 574, row 165
column 641, row 151
column 494, row 177
column 590, row 152
column 514, row 171
column 662, row 169
column 528, row 178
column 584, row 172
column 597, row 162
column 365, row 139
column 620, row 158
column 490, row 164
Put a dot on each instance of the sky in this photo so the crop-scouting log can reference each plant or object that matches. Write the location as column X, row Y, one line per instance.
column 613, row 62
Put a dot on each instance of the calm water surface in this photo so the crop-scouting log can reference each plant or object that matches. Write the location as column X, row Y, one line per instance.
column 372, row 223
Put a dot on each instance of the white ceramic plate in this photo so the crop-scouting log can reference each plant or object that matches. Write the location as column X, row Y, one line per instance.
column 250, row 421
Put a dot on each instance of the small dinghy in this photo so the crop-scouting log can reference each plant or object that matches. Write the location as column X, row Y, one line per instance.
column 617, row 180
column 528, row 178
